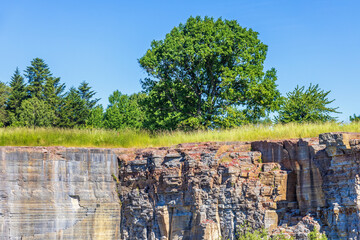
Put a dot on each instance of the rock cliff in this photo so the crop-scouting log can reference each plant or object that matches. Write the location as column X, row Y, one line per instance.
column 189, row 191
column 58, row 193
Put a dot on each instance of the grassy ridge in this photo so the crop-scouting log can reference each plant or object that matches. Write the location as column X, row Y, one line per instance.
column 133, row 138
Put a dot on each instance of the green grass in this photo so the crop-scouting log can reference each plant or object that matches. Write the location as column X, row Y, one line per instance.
column 132, row 138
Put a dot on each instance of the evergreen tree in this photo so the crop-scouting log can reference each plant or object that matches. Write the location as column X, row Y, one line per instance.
column 53, row 94
column 17, row 95
column 53, row 91
column 74, row 111
column 87, row 94
column 354, row 118
column 4, row 94
column 37, row 74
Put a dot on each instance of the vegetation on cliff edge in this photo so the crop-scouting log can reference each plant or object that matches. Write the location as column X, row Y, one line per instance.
column 142, row 138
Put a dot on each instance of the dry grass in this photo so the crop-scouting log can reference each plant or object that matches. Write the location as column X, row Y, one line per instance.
column 133, row 138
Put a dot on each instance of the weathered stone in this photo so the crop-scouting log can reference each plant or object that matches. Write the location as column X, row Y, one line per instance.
column 58, row 193
column 191, row 191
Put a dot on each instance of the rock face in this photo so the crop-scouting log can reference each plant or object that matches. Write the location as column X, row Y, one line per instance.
column 213, row 190
column 197, row 192
column 58, row 193
column 190, row 191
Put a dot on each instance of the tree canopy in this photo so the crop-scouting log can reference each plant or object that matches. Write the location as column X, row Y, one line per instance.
column 206, row 72
column 124, row 111
column 43, row 102
column 310, row 105
column 35, row 112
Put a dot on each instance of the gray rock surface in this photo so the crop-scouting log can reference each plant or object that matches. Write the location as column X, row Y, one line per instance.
column 58, row 193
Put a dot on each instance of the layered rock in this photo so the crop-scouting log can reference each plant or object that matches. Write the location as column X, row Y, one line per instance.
column 189, row 191
column 213, row 190
column 341, row 185
column 198, row 192
column 58, row 193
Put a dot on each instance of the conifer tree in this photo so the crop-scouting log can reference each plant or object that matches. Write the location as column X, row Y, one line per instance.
column 87, row 94
column 37, row 74
column 17, row 94
column 73, row 111
column 53, row 94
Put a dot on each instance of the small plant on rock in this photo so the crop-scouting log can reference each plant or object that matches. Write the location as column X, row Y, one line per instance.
column 315, row 235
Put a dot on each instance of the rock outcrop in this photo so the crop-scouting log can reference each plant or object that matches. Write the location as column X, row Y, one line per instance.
column 213, row 190
column 197, row 192
column 58, row 193
column 189, row 191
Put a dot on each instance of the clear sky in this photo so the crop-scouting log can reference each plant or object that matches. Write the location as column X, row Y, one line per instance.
column 100, row 41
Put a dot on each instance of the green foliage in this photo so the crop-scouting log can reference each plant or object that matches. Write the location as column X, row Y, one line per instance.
column 207, row 74
column 34, row 112
column 4, row 94
column 124, row 111
column 96, row 117
column 76, row 108
column 17, row 94
column 315, row 235
column 37, row 74
column 354, row 118
column 74, row 111
column 308, row 105
column 247, row 233
column 53, row 95
column 87, row 94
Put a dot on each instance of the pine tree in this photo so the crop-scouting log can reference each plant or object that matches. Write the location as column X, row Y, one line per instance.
column 37, row 74
column 87, row 94
column 74, row 111
column 53, row 94
column 17, row 94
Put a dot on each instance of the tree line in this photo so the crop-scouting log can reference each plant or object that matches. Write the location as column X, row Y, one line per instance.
column 38, row 99
column 206, row 74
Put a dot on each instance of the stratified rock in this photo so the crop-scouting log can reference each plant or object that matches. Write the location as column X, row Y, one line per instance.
column 58, row 193
column 190, row 191
column 206, row 191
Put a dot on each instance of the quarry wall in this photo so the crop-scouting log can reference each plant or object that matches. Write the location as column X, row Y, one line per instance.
column 190, row 191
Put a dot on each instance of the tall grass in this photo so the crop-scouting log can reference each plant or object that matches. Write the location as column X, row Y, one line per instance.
column 141, row 138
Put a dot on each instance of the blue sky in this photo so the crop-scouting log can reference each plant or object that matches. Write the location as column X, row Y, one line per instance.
column 100, row 41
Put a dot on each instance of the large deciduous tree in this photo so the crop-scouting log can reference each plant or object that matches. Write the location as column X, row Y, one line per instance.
column 208, row 73
column 310, row 105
